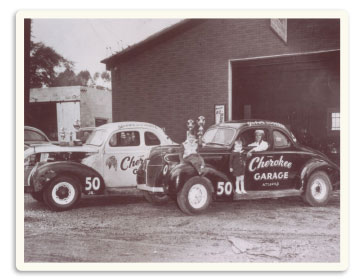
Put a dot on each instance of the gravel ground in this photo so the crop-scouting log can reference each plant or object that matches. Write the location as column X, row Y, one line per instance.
column 128, row 229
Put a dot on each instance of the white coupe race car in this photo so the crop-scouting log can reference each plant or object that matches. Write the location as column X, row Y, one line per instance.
column 59, row 175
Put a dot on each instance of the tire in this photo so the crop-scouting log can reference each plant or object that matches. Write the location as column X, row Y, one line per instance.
column 38, row 196
column 195, row 196
column 318, row 189
column 156, row 198
column 63, row 193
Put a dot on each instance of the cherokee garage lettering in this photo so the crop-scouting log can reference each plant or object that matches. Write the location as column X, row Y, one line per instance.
column 271, row 176
column 258, row 163
column 130, row 162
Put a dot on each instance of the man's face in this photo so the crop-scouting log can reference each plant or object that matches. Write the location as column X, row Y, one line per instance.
column 258, row 137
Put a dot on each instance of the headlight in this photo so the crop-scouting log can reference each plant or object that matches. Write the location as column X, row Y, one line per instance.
column 165, row 169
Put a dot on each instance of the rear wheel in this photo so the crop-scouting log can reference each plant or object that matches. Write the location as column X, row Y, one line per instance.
column 195, row 196
column 156, row 198
column 62, row 194
column 318, row 189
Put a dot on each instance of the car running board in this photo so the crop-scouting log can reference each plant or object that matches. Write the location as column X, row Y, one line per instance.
column 266, row 194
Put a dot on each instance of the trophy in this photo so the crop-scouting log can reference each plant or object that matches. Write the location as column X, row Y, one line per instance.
column 76, row 141
column 200, row 123
column 62, row 135
column 190, row 125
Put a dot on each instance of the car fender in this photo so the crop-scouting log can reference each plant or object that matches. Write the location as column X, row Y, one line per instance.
column 91, row 181
column 184, row 171
column 318, row 164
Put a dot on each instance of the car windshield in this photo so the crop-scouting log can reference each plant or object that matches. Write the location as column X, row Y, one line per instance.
column 96, row 138
column 220, row 136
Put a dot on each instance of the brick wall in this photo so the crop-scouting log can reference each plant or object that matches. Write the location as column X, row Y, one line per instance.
column 94, row 103
column 185, row 76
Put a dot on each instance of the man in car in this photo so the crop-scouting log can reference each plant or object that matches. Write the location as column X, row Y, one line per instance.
column 259, row 144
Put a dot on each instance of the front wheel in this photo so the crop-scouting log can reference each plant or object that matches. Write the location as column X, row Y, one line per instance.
column 195, row 196
column 62, row 194
column 318, row 189
column 38, row 196
column 156, row 198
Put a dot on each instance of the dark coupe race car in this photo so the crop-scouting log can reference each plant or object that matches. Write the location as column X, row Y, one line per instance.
column 285, row 168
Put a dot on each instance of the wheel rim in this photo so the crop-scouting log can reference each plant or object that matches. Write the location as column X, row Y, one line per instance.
column 318, row 189
column 63, row 193
column 197, row 196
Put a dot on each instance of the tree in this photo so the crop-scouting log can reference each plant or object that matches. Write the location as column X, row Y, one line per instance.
column 83, row 77
column 69, row 78
column 96, row 76
column 65, row 78
column 44, row 61
column 105, row 76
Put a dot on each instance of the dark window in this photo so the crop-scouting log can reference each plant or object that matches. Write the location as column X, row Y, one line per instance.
column 125, row 139
column 280, row 140
column 248, row 136
column 33, row 136
column 151, row 139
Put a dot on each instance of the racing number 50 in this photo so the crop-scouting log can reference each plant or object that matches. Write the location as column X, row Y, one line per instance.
column 92, row 184
column 223, row 187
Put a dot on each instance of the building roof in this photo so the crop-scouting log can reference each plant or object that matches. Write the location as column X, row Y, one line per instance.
column 154, row 39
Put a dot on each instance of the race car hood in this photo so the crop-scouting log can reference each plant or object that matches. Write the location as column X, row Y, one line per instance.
column 176, row 148
column 165, row 149
column 318, row 153
column 58, row 149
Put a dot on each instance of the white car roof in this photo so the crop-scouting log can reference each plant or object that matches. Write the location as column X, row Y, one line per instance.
column 109, row 127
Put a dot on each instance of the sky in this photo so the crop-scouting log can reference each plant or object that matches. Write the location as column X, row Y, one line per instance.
column 88, row 41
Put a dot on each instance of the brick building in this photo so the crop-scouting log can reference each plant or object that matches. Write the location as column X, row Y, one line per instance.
column 55, row 108
column 288, row 72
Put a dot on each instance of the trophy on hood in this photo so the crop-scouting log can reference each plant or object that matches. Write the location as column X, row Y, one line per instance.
column 201, row 124
column 190, row 125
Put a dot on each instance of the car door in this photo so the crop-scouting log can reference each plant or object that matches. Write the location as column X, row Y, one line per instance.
column 123, row 153
column 257, row 165
column 289, row 160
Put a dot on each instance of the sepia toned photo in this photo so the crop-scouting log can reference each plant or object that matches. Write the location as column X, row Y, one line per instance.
column 200, row 141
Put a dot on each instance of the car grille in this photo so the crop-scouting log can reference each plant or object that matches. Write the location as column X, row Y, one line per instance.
column 152, row 173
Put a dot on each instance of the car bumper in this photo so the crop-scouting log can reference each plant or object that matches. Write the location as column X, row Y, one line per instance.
column 144, row 187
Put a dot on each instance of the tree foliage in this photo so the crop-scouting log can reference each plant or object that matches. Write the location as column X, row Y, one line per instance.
column 44, row 62
column 50, row 69
column 84, row 77
column 96, row 76
column 65, row 78
column 69, row 78
column 105, row 76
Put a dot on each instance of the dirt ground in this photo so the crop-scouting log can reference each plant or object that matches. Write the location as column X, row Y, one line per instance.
column 128, row 229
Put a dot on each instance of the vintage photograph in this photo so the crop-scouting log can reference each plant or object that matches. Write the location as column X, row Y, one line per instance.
column 182, row 140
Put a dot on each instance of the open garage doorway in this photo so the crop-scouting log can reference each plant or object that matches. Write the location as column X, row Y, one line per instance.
column 43, row 117
column 301, row 91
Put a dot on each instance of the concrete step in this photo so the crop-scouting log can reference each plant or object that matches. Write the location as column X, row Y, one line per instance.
column 266, row 194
